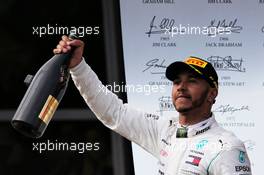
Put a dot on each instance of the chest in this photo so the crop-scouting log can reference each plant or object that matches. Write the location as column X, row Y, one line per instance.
column 184, row 156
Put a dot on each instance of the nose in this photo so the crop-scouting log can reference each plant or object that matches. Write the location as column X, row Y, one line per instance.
column 181, row 86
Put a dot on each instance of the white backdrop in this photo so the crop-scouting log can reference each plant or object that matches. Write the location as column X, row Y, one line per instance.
column 237, row 55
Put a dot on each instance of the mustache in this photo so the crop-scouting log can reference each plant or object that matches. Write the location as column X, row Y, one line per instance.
column 181, row 95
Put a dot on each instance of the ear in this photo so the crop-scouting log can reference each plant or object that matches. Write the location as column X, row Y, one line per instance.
column 212, row 95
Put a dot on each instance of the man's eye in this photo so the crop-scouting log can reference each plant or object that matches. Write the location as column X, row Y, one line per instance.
column 177, row 81
column 193, row 80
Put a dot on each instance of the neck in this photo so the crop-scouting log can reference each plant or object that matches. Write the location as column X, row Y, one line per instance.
column 193, row 117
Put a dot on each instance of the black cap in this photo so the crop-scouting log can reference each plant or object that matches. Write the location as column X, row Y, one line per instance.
column 203, row 68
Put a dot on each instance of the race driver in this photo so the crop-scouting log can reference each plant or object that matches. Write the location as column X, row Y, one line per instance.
column 191, row 144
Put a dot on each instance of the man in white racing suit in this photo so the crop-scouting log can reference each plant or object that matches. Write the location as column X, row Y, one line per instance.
column 193, row 143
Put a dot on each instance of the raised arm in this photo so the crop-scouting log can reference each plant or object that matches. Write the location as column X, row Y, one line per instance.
column 142, row 128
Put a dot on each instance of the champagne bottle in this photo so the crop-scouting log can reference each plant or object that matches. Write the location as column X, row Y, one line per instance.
column 43, row 96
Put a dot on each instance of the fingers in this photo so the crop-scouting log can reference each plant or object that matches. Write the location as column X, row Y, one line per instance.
column 66, row 44
column 75, row 43
column 56, row 51
column 65, row 38
column 63, row 46
column 70, row 42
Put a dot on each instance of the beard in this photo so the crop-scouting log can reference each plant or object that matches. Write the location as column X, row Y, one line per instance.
column 194, row 104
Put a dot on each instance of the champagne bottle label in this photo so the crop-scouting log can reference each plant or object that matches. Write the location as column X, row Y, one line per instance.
column 48, row 109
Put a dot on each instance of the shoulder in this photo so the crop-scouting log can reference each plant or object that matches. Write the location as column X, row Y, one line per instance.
column 227, row 139
column 219, row 140
column 230, row 154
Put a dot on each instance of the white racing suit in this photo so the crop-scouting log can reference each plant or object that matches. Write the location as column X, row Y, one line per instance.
column 208, row 149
